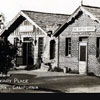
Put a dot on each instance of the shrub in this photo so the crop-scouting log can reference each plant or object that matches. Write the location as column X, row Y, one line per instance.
column 7, row 54
column 57, row 69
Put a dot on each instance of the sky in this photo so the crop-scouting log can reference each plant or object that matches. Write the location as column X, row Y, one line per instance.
column 10, row 8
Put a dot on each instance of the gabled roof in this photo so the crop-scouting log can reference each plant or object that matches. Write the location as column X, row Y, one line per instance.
column 39, row 19
column 93, row 12
column 46, row 19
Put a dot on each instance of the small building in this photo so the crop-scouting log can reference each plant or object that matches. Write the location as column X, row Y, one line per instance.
column 79, row 41
column 31, row 32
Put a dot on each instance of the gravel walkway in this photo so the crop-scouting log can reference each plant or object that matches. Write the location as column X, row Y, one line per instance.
column 42, row 74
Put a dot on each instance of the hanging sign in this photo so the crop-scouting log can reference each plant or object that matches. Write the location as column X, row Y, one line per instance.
column 83, row 29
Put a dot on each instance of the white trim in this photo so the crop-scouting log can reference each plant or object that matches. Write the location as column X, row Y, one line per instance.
column 83, row 64
column 88, row 13
column 10, row 22
column 80, row 8
column 32, row 22
column 73, row 14
column 84, row 29
column 69, row 19
column 24, row 15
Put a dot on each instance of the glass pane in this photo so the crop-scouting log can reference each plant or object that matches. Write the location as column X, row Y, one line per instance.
column 19, row 60
column 40, row 45
column 69, row 48
column 82, row 53
column 69, row 40
column 52, row 49
column 69, row 52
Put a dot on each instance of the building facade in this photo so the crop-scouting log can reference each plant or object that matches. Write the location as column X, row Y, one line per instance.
column 31, row 33
column 79, row 41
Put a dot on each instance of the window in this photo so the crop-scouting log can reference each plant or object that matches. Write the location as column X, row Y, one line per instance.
column 28, row 39
column 26, row 22
column 68, row 47
column 15, row 41
column 98, row 47
column 18, row 44
column 81, row 39
column 40, row 46
column 82, row 53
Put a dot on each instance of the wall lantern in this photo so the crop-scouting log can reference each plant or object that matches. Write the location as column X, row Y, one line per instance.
column 35, row 41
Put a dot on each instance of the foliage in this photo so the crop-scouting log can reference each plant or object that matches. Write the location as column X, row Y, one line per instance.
column 7, row 54
column 57, row 69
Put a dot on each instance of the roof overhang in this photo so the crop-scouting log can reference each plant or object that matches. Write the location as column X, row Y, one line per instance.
column 72, row 18
column 15, row 22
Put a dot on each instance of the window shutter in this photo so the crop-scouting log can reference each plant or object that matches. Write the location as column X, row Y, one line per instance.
column 52, row 49
column 40, row 45
column 66, row 48
column 97, row 47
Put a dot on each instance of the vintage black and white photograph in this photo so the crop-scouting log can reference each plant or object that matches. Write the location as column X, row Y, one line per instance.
column 49, row 46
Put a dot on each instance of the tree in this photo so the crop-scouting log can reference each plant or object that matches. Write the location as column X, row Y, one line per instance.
column 7, row 54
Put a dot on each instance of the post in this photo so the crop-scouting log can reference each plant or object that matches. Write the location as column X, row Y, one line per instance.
column 58, row 49
column 27, row 55
column 81, row 2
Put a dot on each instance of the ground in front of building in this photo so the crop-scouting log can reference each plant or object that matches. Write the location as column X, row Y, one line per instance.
column 50, row 82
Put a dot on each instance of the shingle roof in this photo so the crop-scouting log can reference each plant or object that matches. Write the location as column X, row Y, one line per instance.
column 93, row 10
column 46, row 19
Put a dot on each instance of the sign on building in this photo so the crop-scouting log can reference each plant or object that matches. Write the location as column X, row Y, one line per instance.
column 84, row 29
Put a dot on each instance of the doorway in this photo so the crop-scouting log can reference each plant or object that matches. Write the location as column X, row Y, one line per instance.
column 28, row 51
column 83, row 57
column 52, row 49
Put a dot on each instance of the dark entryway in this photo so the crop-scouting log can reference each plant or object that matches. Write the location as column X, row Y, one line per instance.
column 28, row 50
column 52, row 49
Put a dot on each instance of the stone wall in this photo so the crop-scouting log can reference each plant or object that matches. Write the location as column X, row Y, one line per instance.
column 73, row 61
column 70, row 62
column 21, row 35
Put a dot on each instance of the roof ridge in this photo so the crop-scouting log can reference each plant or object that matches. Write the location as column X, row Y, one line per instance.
column 91, row 6
column 44, row 12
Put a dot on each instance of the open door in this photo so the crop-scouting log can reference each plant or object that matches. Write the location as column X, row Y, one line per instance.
column 52, row 49
column 27, row 53
column 83, row 58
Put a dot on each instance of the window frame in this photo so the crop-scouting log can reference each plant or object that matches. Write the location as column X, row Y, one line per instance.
column 68, row 47
column 19, row 46
column 97, row 47
column 40, row 46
